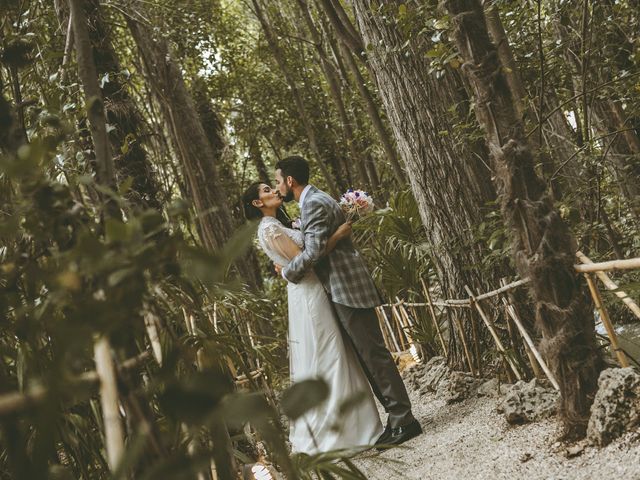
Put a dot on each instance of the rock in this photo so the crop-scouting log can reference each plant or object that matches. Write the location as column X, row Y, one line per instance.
column 525, row 457
column 435, row 371
column 616, row 407
column 575, row 450
column 457, row 386
column 528, row 401
column 493, row 388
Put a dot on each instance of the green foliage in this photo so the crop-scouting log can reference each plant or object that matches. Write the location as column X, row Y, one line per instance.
column 394, row 241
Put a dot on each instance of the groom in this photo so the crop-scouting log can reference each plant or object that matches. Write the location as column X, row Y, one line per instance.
column 350, row 288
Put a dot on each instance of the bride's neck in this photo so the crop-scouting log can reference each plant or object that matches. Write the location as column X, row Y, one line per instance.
column 266, row 213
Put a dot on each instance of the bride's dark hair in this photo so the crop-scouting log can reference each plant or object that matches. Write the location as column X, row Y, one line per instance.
column 251, row 212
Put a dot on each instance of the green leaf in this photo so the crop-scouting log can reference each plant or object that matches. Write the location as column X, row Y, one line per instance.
column 304, row 396
column 241, row 408
column 116, row 277
column 125, row 186
column 116, row 230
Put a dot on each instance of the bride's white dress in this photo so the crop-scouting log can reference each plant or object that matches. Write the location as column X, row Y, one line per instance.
column 317, row 349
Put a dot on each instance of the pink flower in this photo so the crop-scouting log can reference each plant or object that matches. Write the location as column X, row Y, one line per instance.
column 356, row 203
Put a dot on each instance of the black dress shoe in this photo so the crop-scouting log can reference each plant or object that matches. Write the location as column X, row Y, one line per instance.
column 399, row 435
column 382, row 439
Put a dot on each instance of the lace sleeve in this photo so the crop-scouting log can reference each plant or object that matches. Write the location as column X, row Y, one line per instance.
column 276, row 240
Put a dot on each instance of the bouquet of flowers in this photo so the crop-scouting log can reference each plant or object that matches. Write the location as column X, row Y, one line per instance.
column 355, row 204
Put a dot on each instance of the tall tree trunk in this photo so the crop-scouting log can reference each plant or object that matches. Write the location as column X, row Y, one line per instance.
column 449, row 178
column 336, row 95
column 606, row 116
column 297, row 96
column 544, row 248
column 104, row 167
column 11, row 137
column 255, row 153
column 556, row 143
column 130, row 157
column 350, row 44
column 213, row 127
column 190, row 144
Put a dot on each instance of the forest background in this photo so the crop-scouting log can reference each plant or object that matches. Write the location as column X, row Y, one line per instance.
column 496, row 139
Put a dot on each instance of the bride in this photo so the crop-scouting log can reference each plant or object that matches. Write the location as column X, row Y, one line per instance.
column 317, row 346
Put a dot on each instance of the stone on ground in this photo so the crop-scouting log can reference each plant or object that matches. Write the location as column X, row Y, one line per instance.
column 529, row 401
column 616, row 407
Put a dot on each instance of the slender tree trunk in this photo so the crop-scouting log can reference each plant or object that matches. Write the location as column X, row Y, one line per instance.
column 450, row 178
column 10, row 136
column 555, row 144
column 350, row 44
column 104, row 167
column 342, row 25
column 606, row 116
column 255, row 153
column 105, row 173
column 297, row 96
column 213, row 127
column 190, row 144
column 336, row 95
column 544, row 248
column 131, row 159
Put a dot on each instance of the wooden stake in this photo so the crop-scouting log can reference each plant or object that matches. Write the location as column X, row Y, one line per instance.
column 425, row 289
column 527, row 339
column 388, row 324
column 458, row 324
column 514, row 340
column 395, row 315
column 628, row 264
column 494, row 334
column 611, row 285
column 406, row 323
column 113, row 431
column 476, row 343
column 383, row 329
column 606, row 321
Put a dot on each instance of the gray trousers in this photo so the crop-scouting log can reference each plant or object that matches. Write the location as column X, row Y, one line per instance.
column 363, row 331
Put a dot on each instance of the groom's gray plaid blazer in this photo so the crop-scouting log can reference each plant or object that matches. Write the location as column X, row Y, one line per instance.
column 342, row 272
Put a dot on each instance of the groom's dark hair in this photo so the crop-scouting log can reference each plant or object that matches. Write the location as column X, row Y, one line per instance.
column 295, row 166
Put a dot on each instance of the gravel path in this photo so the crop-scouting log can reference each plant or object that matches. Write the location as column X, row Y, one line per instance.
column 469, row 440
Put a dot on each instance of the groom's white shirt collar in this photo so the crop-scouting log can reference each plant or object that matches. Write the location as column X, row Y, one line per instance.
column 303, row 195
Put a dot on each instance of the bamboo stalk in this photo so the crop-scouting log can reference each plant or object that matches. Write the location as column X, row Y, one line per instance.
column 414, row 348
column 606, row 321
column 493, row 332
column 388, row 324
column 531, row 345
column 113, row 431
column 476, row 344
column 383, row 329
column 401, row 337
column 502, row 289
column 427, row 294
column 514, row 340
column 154, row 339
column 627, row 264
column 11, row 403
column 611, row 285
column 458, row 324
column 405, row 322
